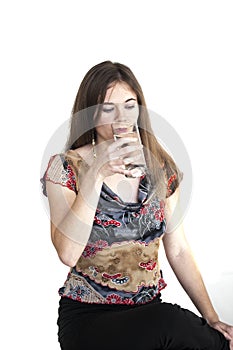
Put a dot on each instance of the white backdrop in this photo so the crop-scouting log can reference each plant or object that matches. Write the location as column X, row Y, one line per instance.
column 181, row 53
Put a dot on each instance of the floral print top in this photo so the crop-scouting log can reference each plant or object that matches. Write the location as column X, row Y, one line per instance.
column 119, row 264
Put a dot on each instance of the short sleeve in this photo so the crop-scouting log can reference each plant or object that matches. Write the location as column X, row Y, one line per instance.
column 59, row 171
column 171, row 185
column 173, row 179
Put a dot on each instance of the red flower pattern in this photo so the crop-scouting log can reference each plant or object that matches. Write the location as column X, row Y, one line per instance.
column 161, row 284
column 128, row 302
column 170, row 181
column 113, row 299
column 106, row 275
column 71, row 182
column 159, row 213
column 149, row 265
column 92, row 248
column 144, row 210
column 107, row 222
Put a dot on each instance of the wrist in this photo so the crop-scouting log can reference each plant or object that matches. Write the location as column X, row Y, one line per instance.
column 211, row 318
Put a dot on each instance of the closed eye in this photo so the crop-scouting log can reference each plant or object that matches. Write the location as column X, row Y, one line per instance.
column 108, row 110
column 130, row 106
column 108, row 107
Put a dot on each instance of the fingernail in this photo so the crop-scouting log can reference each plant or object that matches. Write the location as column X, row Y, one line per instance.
column 131, row 138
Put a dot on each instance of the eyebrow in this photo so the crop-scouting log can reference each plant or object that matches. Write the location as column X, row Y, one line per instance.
column 130, row 99
column 111, row 103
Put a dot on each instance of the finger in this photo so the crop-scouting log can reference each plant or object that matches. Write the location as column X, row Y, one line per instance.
column 227, row 328
column 119, row 169
column 221, row 328
column 116, row 162
column 226, row 335
column 129, row 149
column 133, row 159
column 120, row 142
column 230, row 330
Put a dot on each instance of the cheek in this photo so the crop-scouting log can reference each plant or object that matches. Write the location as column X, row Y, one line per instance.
column 105, row 131
column 133, row 114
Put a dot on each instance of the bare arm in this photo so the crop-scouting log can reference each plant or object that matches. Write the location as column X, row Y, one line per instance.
column 72, row 215
column 182, row 262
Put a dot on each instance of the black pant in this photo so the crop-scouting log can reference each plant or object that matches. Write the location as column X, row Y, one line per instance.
column 152, row 326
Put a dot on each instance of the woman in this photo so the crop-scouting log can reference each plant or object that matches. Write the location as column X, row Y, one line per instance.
column 107, row 225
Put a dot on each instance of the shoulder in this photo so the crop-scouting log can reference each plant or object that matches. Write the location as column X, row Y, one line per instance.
column 63, row 168
column 173, row 178
column 59, row 171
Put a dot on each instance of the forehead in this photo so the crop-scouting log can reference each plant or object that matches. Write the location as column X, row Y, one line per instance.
column 119, row 93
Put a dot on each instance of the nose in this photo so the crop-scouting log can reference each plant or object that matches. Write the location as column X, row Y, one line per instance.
column 120, row 115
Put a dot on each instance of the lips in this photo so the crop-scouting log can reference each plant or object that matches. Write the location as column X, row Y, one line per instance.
column 121, row 130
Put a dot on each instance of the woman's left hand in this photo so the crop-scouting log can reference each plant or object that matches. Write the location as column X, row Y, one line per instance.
column 225, row 329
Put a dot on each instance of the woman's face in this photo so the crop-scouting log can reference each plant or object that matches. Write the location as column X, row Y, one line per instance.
column 120, row 105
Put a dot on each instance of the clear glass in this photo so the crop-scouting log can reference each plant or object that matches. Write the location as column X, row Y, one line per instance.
column 130, row 129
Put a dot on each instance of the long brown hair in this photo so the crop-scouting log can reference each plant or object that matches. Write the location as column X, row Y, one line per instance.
column 92, row 92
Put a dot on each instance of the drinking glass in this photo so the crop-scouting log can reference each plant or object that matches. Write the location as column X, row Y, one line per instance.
column 127, row 130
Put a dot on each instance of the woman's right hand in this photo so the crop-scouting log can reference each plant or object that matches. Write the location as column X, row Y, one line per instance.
column 112, row 156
